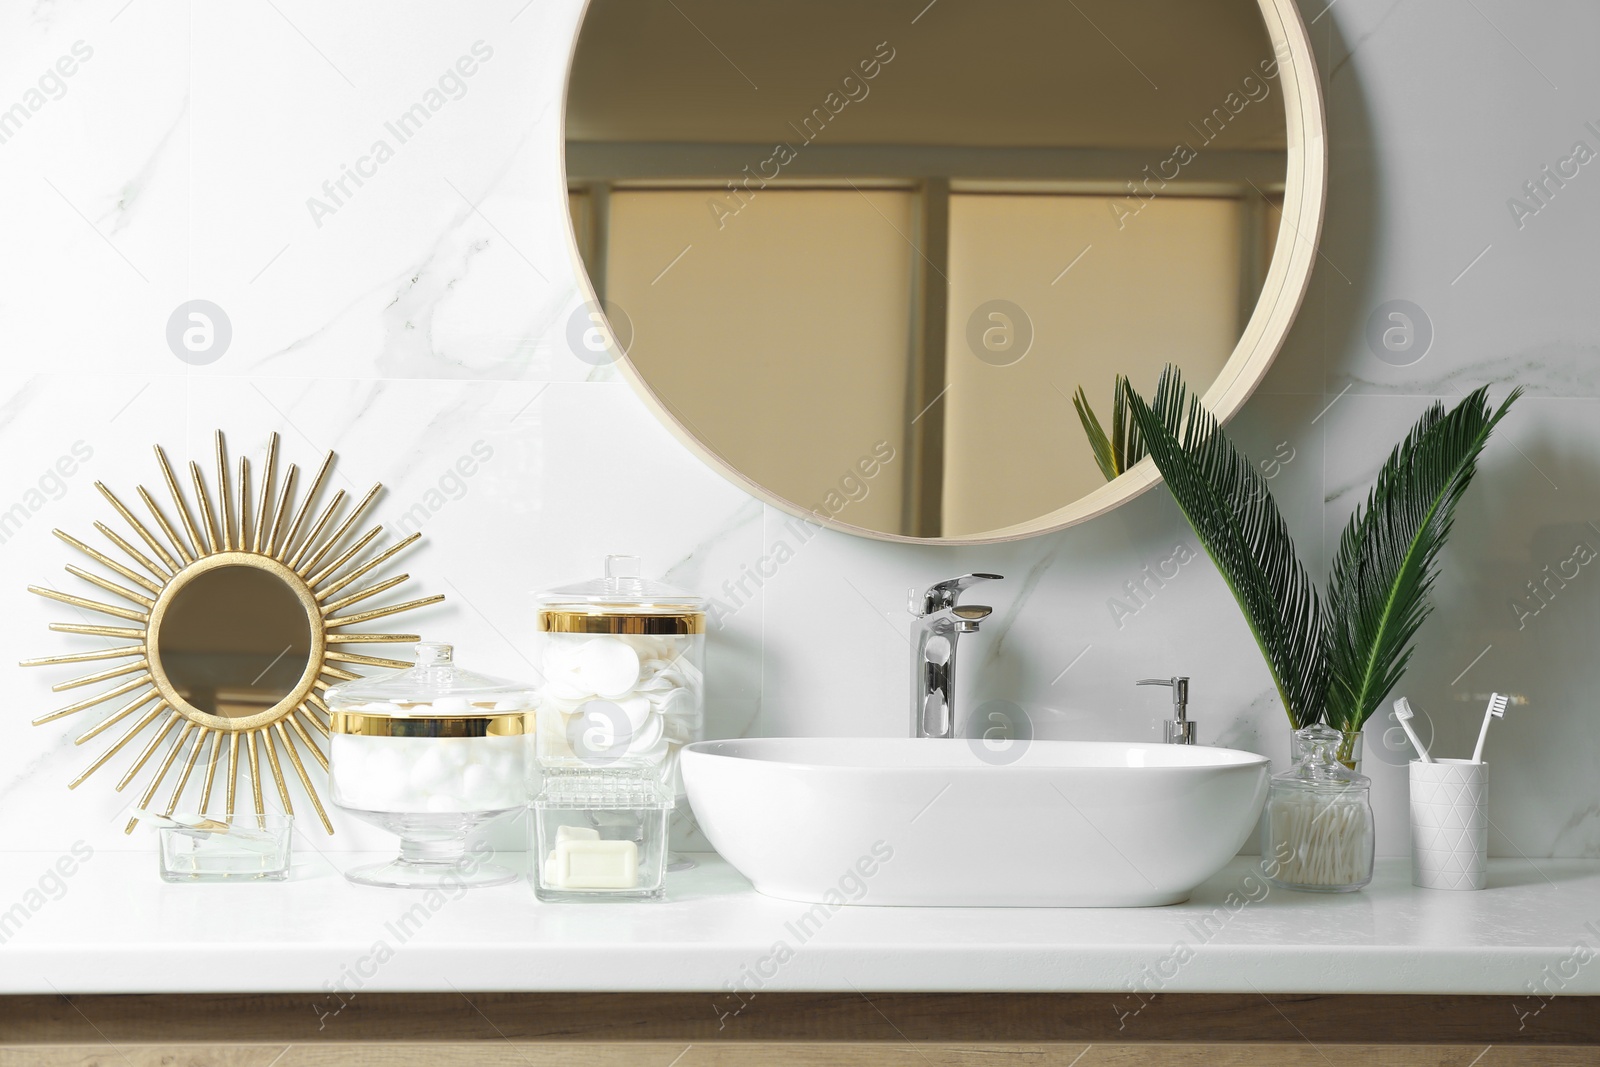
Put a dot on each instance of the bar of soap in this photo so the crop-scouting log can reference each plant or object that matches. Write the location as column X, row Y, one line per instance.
column 593, row 864
column 576, row 833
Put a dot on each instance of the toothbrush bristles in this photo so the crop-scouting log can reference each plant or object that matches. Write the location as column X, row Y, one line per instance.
column 1403, row 712
column 1495, row 710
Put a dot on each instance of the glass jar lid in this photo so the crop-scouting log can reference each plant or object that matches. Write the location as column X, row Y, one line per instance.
column 1320, row 766
column 621, row 602
column 434, row 688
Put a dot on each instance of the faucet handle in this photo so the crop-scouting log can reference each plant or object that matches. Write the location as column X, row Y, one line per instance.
column 945, row 594
column 1179, row 729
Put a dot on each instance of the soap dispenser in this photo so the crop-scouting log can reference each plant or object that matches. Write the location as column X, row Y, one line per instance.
column 1178, row 730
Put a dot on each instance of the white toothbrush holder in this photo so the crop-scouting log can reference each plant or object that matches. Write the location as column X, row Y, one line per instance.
column 1449, row 824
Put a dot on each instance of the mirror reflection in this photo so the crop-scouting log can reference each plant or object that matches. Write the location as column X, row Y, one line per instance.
column 865, row 252
column 234, row 641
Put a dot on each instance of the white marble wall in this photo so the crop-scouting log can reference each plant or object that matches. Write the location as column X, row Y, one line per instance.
column 427, row 313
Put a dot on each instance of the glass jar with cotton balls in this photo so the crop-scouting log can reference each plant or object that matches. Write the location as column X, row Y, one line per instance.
column 433, row 754
column 623, row 659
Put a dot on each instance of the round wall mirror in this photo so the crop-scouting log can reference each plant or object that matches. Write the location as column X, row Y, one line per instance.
column 234, row 641
column 860, row 256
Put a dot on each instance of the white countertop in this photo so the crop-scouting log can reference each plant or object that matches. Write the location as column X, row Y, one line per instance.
column 118, row 929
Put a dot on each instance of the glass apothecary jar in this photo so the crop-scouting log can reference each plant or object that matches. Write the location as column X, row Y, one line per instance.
column 432, row 754
column 601, row 835
column 1349, row 748
column 1318, row 833
column 623, row 660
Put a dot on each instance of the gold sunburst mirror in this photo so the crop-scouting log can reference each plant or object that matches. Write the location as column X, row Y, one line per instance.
column 235, row 628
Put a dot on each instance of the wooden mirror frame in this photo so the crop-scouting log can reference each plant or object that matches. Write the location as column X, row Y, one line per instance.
column 278, row 538
column 1288, row 277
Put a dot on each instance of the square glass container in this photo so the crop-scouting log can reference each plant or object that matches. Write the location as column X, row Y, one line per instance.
column 600, row 836
column 251, row 848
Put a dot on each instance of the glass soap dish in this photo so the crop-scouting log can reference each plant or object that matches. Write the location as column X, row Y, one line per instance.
column 601, row 837
column 234, row 848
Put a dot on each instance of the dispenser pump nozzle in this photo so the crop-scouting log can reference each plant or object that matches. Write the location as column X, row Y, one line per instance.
column 1178, row 730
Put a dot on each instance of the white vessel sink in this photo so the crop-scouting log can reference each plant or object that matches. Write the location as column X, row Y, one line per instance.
column 906, row 821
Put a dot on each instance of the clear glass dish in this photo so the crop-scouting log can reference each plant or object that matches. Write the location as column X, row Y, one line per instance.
column 432, row 754
column 234, row 848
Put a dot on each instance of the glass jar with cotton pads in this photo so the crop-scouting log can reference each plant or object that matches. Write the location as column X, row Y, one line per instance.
column 1318, row 832
column 601, row 836
column 432, row 753
column 624, row 684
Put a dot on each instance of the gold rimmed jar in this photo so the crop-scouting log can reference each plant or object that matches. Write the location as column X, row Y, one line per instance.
column 432, row 753
column 416, row 721
column 624, row 670
column 624, row 666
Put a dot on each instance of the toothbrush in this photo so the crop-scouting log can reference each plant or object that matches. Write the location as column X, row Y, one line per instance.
column 1495, row 710
column 1403, row 712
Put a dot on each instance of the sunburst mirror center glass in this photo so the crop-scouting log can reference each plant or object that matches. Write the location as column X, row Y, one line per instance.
column 234, row 641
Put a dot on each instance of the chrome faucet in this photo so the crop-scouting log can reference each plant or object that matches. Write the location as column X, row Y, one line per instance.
column 940, row 621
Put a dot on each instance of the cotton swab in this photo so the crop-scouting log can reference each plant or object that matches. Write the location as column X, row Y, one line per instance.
column 1403, row 712
column 1495, row 710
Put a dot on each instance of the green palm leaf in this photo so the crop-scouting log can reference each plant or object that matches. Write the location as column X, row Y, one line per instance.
column 1388, row 554
column 1105, row 453
column 1115, row 452
column 1226, row 500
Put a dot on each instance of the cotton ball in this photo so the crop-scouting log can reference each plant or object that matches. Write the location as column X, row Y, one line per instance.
column 349, row 755
column 479, row 787
column 455, row 752
column 382, row 785
column 609, row 667
column 567, row 683
column 385, row 764
column 450, row 706
column 561, row 651
column 647, row 739
column 430, row 773
column 637, row 709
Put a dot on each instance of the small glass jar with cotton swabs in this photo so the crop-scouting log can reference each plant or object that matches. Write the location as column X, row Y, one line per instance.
column 1318, row 831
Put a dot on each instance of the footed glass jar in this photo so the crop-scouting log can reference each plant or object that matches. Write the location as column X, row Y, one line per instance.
column 623, row 660
column 432, row 754
column 1318, row 833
